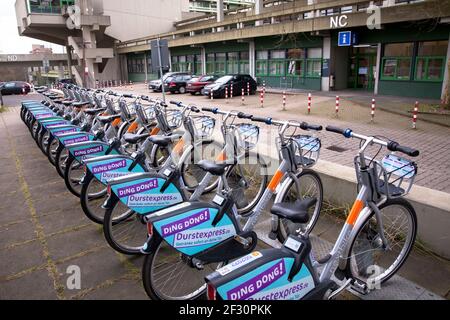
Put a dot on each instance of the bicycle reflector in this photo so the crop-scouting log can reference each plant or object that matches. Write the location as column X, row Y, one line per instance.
column 150, row 228
column 211, row 292
column 108, row 189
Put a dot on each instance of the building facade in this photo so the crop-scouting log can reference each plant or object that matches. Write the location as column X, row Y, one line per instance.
column 392, row 47
column 395, row 47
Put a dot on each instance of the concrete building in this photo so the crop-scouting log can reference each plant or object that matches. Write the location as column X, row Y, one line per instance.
column 39, row 48
column 392, row 47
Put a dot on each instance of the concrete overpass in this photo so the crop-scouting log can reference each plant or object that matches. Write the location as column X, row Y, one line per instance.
column 17, row 66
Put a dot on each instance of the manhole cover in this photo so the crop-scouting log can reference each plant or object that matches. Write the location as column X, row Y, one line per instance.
column 337, row 149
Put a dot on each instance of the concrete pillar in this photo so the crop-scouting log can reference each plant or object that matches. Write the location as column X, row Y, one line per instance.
column 378, row 70
column 259, row 6
column 61, row 70
column 69, row 60
column 326, row 55
column 220, row 14
column 252, row 58
column 446, row 81
column 203, row 58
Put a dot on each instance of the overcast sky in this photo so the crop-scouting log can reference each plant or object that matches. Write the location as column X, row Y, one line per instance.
column 10, row 41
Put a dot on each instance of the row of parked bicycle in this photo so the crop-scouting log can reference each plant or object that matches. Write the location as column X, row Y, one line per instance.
column 162, row 184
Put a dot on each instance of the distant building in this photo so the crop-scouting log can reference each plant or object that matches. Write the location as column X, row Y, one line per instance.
column 39, row 48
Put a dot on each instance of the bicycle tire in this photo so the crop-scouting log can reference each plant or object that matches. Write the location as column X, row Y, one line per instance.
column 84, row 201
column 149, row 282
column 67, row 177
column 404, row 252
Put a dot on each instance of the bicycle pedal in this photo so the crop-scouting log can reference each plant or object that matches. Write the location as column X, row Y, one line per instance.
column 245, row 242
column 360, row 287
column 338, row 291
column 272, row 235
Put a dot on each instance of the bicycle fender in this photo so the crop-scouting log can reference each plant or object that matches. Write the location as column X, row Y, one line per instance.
column 189, row 229
column 109, row 167
column 141, row 192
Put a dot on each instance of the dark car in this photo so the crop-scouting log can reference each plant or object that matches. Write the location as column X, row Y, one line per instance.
column 15, row 87
column 237, row 81
column 66, row 81
column 178, row 83
column 196, row 85
column 155, row 85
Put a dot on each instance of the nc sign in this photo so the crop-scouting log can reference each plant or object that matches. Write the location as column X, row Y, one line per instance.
column 345, row 39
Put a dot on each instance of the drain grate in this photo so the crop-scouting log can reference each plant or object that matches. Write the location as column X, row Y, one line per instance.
column 336, row 149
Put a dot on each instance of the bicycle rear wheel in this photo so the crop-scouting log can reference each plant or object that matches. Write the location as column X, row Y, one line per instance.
column 310, row 187
column 167, row 274
column 73, row 173
column 368, row 260
column 124, row 230
column 93, row 195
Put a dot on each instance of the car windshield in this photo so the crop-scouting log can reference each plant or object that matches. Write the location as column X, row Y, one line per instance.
column 195, row 79
column 224, row 79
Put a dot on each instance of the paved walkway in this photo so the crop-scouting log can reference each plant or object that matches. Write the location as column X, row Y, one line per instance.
column 431, row 139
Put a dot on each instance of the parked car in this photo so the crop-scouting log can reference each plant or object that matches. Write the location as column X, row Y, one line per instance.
column 237, row 81
column 196, row 85
column 15, row 87
column 178, row 83
column 155, row 85
column 66, row 81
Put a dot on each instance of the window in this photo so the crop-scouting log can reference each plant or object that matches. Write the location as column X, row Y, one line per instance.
column 277, row 54
column 262, row 55
column 276, row 68
column 430, row 62
column 397, row 61
column 396, row 68
column 313, row 68
column 314, row 53
column 243, row 55
column 261, row 68
column 399, row 49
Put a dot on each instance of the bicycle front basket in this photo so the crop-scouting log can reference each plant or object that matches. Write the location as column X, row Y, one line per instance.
column 307, row 150
column 203, row 126
column 174, row 118
column 396, row 175
column 247, row 135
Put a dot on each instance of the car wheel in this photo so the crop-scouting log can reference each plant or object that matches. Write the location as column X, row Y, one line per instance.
column 182, row 90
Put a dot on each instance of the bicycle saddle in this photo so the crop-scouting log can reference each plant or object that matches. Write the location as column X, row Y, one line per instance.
column 216, row 169
column 108, row 119
column 296, row 212
column 135, row 138
column 162, row 141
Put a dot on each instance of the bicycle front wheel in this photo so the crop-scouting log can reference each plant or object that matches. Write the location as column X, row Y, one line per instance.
column 369, row 259
column 167, row 274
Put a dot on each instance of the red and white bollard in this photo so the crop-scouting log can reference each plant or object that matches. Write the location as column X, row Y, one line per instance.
column 416, row 111
column 372, row 113
column 261, row 98
column 243, row 96
column 248, row 88
column 264, row 88
column 120, row 83
column 309, row 103
column 226, row 94
column 212, row 95
column 284, row 100
column 337, row 106
column 231, row 91
column 24, row 92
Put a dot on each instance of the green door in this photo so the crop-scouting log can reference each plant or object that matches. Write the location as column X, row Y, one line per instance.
column 363, row 63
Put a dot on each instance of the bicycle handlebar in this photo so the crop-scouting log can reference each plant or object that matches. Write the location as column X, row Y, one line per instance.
column 242, row 115
column 391, row 145
column 395, row 146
